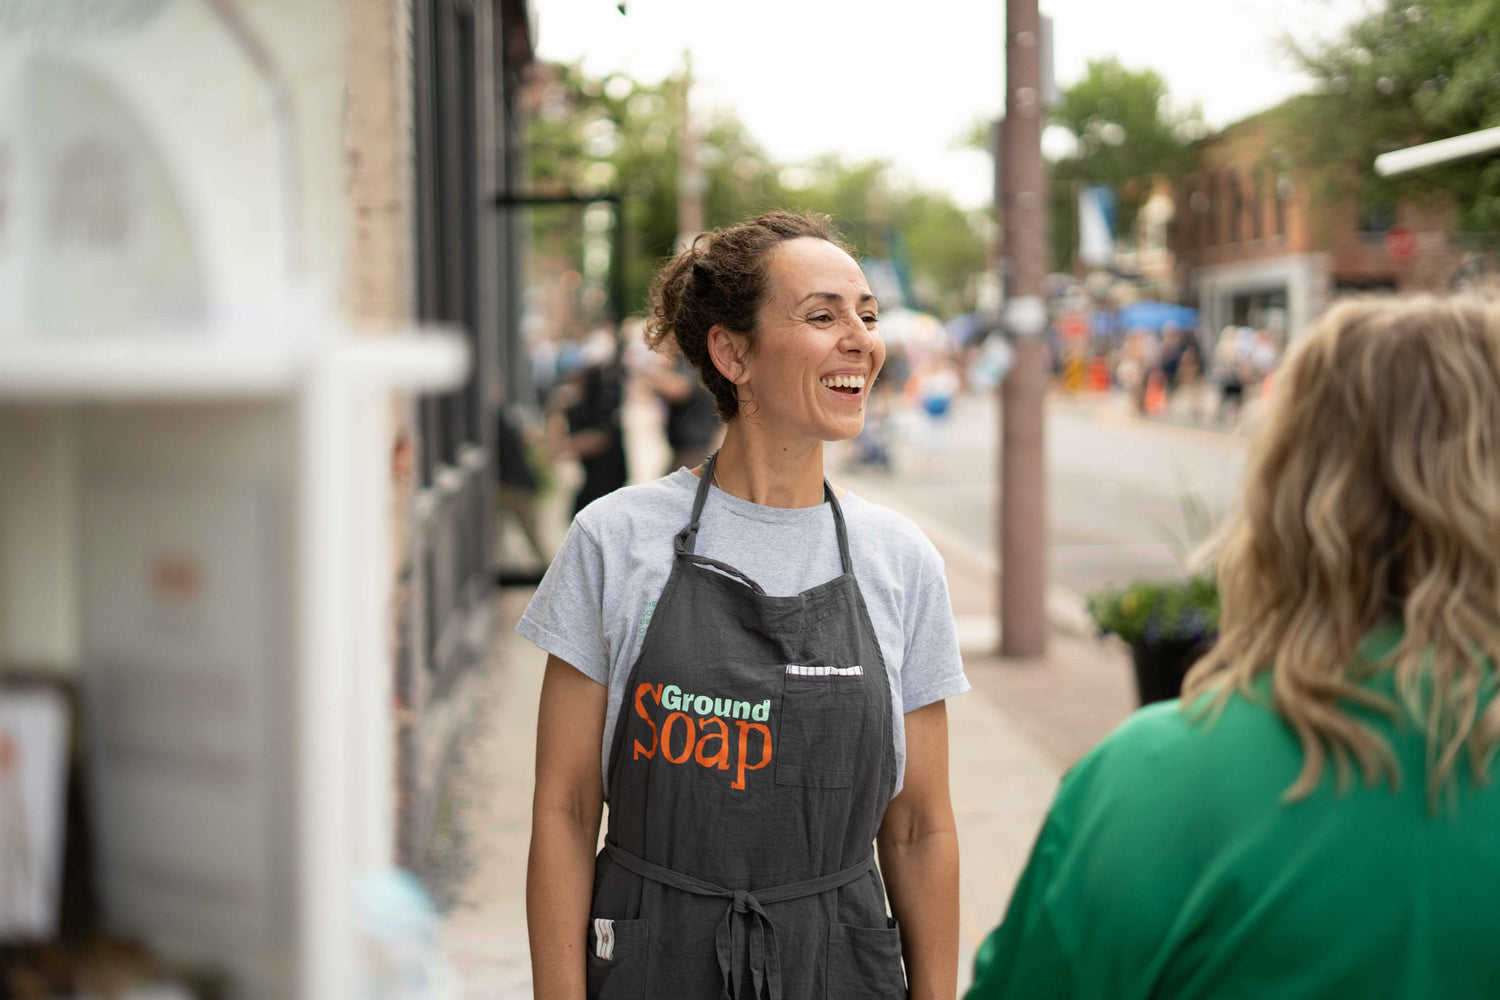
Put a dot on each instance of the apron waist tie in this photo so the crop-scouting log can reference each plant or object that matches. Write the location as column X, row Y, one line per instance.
column 746, row 925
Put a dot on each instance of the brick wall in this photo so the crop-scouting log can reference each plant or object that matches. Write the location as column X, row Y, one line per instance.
column 1321, row 214
column 379, row 279
column 379, row 288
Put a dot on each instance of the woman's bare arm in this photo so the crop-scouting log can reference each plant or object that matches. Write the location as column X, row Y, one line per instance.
column 565, row 816
column 918, row 843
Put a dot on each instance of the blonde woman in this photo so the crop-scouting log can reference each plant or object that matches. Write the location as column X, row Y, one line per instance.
column 1316, row 818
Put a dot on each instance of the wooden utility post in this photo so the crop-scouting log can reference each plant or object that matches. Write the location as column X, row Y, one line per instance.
column 1023, row 485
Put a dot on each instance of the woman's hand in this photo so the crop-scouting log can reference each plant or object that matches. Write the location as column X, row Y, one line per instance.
column 565, row 816
column 918, row 843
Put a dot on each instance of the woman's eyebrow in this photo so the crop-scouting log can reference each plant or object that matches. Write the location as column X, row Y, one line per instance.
column 836, row 297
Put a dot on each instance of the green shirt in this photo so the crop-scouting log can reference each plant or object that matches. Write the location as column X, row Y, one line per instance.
column 1168, row 867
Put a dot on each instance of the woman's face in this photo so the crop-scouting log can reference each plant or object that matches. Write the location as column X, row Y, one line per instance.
column 818, row 350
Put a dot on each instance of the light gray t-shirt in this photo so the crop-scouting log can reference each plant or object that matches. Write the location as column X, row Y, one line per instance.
column 594, row 605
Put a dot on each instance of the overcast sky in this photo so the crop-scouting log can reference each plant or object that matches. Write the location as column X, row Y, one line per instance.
column 903, row 82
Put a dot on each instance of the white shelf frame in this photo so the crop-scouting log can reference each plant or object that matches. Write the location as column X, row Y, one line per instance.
column 340, row 388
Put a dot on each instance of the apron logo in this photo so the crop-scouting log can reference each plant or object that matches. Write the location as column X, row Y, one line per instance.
column 703, row 736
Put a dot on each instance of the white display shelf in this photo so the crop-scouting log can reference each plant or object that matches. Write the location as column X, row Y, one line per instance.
column 200, row 531
column 177, row 368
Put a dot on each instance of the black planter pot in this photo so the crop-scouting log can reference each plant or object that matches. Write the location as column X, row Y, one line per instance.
column 1160, row 666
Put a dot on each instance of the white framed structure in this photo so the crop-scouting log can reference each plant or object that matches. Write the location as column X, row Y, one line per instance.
column 199, row 534
column 200, row 523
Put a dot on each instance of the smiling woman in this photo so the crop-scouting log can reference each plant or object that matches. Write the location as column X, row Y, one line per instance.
column 755, row 665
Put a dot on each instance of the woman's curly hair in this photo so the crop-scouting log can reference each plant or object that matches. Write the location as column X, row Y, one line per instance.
column 720, row 280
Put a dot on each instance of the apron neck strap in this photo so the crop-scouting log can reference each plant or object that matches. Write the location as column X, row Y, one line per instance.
column 687, row 538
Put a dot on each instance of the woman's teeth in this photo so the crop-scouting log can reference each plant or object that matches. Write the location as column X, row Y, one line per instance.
column 855, row 382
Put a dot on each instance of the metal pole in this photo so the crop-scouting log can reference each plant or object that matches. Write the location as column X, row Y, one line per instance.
column 1023, row 486
column 690, row 182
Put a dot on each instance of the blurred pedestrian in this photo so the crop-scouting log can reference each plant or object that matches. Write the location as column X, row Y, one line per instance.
column 751, row 669
column 933, row 388
column 1316, row 816
column 1232, row 370
column 518, row 483
column 1190, row 387
column 1172, row 347
column 691, row 424
column 587, row 400
column 1140, row 357
column 1265, row 354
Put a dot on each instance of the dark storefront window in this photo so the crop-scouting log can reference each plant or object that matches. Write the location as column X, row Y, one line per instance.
column 1257, row 203
column 1211, row 237
column 1376, row 216
column 1236, row 209
column 1283, row 191
column 447, row 159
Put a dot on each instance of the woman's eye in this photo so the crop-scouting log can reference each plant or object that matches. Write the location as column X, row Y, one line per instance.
column 821, row 317
column 871, row 319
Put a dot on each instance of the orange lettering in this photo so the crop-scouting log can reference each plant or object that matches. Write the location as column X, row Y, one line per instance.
column 640, row 709
column 765, row 746
column 720, row 759
column 666, row 738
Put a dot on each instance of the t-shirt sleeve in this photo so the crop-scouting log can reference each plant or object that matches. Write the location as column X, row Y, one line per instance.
column 932, row 669
column 1025, row 957
column 566, row 615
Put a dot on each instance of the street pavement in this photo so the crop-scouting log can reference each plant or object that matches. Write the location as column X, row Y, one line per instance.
column 1116, row 484
column 1010, row 738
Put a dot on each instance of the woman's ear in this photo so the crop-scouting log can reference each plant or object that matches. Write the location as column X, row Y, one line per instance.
column 727, row 349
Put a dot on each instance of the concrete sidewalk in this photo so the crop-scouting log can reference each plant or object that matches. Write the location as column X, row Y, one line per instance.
column 1010, row 740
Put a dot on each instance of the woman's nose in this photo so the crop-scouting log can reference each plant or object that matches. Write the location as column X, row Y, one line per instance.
column 857, row 336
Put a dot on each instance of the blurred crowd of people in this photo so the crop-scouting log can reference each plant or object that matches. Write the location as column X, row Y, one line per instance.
column 1180, row 370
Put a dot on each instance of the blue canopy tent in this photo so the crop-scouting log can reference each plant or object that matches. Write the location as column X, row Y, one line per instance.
column 1153, row 316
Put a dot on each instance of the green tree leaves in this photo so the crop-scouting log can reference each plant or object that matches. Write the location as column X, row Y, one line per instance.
column 616, row 134
column 1412, row 71
column 1127, row 133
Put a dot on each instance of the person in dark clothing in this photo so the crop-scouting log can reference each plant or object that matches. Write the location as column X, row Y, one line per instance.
column 516, row 490
column 594, row 433
column 692, row 424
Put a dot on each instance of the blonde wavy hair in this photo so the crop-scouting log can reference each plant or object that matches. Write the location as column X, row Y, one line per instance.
column 1372, row 494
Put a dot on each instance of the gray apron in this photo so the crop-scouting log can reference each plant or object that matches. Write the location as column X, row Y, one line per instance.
column 750, row 771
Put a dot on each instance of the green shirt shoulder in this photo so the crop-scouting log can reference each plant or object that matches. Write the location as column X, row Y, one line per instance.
column 1170, row 866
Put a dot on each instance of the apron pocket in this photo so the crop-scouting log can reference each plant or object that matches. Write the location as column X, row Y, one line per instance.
column 864, row 963
column 822, row 722
column 617, row 960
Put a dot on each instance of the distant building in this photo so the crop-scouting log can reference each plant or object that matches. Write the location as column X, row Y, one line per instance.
column 1264, row 241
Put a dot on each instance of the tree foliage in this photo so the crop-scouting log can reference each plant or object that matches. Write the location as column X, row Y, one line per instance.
column 1412, row 71
column 616, row 134
column 944, row 246
column 1126, row 134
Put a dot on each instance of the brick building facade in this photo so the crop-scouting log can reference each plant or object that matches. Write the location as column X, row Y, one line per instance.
column 1264, row 241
